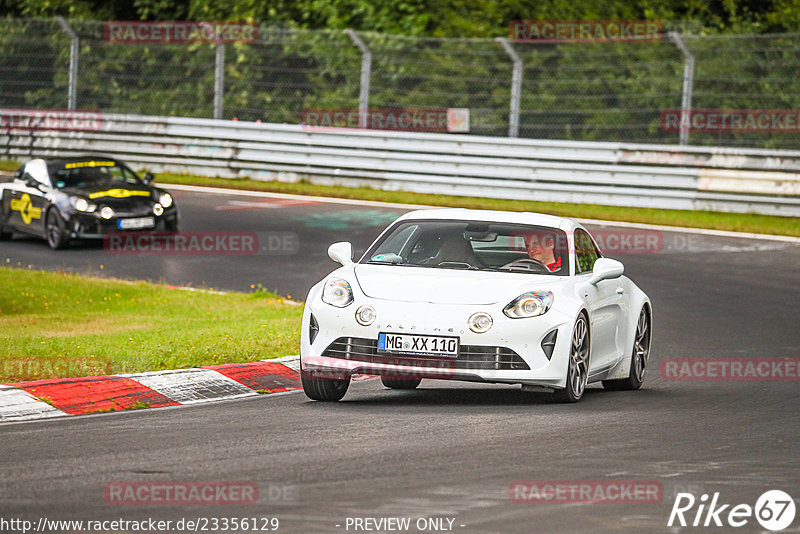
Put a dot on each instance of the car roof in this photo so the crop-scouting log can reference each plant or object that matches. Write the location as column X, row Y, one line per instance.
column 517, row 217
column 86, row 157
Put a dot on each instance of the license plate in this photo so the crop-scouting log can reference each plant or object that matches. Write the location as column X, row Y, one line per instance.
column 133, row 224
column 446, row 346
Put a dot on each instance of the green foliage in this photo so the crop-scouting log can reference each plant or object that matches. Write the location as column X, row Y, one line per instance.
column 303, row 60
column 441, row 18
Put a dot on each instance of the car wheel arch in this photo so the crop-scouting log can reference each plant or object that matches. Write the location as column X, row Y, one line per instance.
column 622, row 368
column 585, row 313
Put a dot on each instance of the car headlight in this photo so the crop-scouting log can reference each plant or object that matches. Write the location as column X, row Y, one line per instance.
column 158, row 209
column 531, row 304
column 480, row 322
column 337, row 293
column 165, row 199
column 106, row 212
column 365, row 315
column 81, row 204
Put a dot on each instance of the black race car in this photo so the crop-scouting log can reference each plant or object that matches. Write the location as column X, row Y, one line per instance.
column 82, row 198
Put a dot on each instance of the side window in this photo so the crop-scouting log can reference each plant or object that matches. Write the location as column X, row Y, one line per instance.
column 397, row 243
column 585, row 252
column 130, row 176
column 37, row 169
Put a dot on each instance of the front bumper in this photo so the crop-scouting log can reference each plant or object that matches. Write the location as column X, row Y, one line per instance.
column 89, row 226
column 510, row 352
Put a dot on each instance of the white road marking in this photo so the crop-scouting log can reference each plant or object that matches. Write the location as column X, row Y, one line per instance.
column 375, row 203
column 273, row 203
column 19, row 405
column 292, row 362
column 190, row 386
column 287, row 196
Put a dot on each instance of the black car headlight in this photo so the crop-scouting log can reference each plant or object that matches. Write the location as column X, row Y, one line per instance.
column 165, row 199
column 81, row 204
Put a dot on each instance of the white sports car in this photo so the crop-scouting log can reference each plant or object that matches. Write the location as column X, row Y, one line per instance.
column 482, row 296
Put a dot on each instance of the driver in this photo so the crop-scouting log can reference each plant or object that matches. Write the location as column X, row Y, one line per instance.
column 541, row 246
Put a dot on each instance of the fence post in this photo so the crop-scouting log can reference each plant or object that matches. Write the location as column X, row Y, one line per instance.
column 219, row 80
column 688, row 82
column 74, row 49
column 516, row 87
column 366, row 68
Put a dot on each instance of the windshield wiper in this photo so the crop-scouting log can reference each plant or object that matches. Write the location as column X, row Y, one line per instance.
column 386, row 262
column 521, row 269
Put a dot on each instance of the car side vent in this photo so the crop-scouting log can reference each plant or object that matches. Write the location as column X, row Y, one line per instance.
column 313, row 329
column 549, row 343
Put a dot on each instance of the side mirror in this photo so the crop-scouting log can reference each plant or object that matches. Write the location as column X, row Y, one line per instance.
column 148, row 178
column 606, row 269
column 341, row 252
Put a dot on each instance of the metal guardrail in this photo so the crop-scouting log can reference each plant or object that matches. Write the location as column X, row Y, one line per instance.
column 658, row 176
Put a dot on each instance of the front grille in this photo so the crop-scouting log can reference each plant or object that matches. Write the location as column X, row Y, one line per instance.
column 469, row 357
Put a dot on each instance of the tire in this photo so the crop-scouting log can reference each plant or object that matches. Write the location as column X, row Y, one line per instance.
column 578, row 368
column 323, row 389
column 400, row 383
column 56, row 230
column 640, row 354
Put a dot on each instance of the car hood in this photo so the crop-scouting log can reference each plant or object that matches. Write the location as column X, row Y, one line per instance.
column 114, row 193
column 447, row 286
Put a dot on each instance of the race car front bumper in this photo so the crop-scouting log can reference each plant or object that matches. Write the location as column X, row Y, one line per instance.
column 89, row 226
column 514, row 351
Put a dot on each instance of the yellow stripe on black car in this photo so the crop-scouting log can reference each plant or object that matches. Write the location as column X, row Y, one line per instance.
column 119, row 193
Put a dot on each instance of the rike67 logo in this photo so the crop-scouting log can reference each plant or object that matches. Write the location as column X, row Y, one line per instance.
column 774, row 510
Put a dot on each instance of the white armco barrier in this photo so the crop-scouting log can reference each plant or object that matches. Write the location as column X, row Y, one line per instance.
column 619, row 174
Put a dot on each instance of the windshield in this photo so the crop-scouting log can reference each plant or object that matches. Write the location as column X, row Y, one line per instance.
column 90, row 174
column 480, row 246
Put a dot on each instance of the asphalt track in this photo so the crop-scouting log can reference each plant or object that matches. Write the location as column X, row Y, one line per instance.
column 447, row 449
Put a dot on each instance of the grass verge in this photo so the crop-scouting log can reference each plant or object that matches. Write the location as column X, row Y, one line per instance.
column 736, row 222
column 9, row 165
column 55, row 325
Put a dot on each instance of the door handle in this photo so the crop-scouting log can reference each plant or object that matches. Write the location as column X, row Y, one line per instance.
column 620, row 290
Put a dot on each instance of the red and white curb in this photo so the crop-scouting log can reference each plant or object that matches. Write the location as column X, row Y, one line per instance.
column 55, row 397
